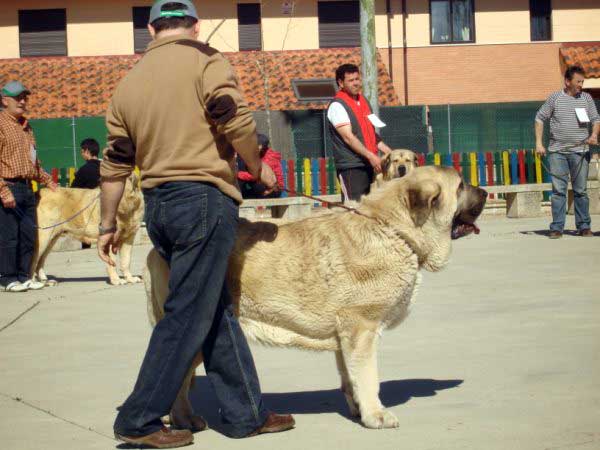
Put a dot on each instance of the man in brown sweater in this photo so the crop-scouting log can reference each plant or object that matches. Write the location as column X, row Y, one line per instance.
column 180, row 117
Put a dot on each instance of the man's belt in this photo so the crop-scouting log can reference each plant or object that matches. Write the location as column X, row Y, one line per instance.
column 18, row 180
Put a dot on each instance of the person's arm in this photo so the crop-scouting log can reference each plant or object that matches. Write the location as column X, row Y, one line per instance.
column 595, row 119
column 230, row 114
column 6, row 196
column 117, row 165
column 543, row 114
column 383, row 147
column 539, row 134
column 345, row 132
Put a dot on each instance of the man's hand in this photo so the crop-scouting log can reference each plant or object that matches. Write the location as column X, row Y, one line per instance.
column 9, row 202
column 375, row 162
column 52, row 186
column 268, row 178
column 106, row 244
column 540, row 150
column 593, row 139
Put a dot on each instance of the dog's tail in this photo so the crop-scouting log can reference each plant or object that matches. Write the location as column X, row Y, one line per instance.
column 156, row 283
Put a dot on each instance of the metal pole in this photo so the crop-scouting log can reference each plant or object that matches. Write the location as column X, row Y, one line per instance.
column 368, row 49
column 74, row 145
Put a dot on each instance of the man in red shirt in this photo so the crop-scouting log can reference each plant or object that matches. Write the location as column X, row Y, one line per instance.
column 249, row 186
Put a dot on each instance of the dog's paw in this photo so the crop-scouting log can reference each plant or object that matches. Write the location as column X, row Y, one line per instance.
column 133, row 280
column 193, row 423
column 380, row 419
column 117, row 281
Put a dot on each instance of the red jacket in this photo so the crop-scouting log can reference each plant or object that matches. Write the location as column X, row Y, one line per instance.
column 273, row 160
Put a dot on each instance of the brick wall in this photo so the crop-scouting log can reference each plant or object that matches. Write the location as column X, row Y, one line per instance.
column 477, row 73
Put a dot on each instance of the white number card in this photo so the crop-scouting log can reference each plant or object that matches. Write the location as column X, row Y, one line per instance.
column 582, row 115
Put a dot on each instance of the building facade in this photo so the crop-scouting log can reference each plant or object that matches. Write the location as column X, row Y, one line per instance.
column 436, row 51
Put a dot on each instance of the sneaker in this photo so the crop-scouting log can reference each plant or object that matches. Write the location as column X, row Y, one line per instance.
column 34, row 285
column 16, row 286
column 555, row 234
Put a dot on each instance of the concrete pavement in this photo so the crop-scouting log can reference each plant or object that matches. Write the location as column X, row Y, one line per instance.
column 501, row 351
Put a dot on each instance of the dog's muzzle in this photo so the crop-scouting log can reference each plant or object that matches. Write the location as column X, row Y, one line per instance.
column 401, row 171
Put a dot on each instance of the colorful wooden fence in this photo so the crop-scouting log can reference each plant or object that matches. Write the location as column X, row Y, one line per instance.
column 317, row 176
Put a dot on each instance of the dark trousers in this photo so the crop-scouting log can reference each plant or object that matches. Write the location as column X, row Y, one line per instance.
column 17, row 235
column 193, row 226
column 252, row 189
column 357, row 181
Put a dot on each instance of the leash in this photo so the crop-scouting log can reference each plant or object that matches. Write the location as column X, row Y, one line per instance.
column 326, row 203
column 565, row 175
column 22, row 216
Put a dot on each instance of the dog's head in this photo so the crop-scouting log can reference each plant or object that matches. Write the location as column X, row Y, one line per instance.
column 398, row 163
column 428, row 207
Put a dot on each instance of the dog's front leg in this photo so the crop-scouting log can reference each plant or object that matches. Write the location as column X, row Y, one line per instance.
column 125, row 262
column 346, row 385
column 182, row 414
column 358, row 341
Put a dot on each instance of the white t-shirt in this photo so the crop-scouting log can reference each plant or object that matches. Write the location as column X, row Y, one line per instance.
column 337, row 115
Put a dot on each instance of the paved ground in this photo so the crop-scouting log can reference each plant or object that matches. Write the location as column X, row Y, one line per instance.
column 501, row 351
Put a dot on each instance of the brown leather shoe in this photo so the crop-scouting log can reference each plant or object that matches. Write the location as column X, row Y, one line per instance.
column 275, row 423
column 555, row 234
column 163, row 438
column 586, row 233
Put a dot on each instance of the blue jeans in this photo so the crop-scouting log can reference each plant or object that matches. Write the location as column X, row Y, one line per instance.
column 17, row 235
column 570, row 164
column 193, row 226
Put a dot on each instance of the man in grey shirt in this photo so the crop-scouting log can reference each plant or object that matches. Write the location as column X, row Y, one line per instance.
column 571, row 113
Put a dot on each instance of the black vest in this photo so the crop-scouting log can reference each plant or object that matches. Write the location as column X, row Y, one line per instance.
column 344, row 156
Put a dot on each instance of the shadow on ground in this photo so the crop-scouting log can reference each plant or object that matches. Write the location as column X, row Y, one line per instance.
column 547, row 232
column 392, row 393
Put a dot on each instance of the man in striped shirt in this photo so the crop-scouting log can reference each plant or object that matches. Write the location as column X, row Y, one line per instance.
column 18, row 166
column 571, row 113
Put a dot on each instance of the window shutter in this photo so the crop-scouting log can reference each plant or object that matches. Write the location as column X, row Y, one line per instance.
column 43, row 32
column 249, row 30
column 339, row 24
column 141, row 35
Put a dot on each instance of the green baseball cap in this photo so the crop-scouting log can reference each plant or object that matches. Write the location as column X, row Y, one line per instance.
column 187, row 9
column 14, row 89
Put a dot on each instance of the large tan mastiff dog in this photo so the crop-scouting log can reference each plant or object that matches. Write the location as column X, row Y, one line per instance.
column 56, row 207
column 336, row 281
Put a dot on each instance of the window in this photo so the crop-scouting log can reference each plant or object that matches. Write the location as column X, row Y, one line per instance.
column 249, row 32
column 43, row 32
column 339, row 24
column 540, row 18
column 452, row 21
column 141, row 35
column 314, row 90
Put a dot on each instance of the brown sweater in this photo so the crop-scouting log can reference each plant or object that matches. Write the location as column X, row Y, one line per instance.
column 179, row 116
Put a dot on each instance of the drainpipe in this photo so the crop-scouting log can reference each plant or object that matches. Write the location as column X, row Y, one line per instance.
column 404, row 52
column 388, row 10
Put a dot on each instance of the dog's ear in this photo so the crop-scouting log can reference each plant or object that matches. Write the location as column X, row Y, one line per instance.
column 385, row 164
column 421, row 198
column 416, row 160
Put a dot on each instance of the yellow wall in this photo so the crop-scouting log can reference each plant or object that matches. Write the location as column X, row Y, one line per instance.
column 105, row 28
column 502, row 21
column 576, row 20
column 9, row 33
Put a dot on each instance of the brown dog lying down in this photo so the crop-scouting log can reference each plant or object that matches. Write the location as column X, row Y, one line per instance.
column 395, row 164
column 56, row 207
column 335, row 282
